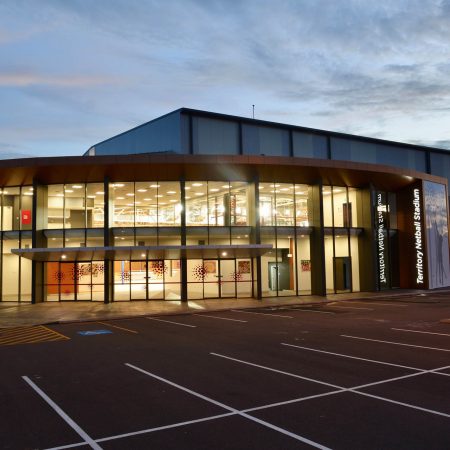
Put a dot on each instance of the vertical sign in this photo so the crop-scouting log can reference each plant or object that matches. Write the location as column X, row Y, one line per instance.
column 418, row 240
column 381, row 238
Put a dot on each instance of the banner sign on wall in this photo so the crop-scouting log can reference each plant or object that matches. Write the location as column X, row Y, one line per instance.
column 381, row 239
column 418, row 240
column 437, row 234
column 26, row 217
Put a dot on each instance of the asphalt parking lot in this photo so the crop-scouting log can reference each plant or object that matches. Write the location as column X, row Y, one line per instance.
column 348, row 375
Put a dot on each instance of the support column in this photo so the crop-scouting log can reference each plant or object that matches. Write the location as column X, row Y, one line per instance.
column 183, row 259
column 315, row 205
column 38, row 240
column 256, row 223
column 108, row 265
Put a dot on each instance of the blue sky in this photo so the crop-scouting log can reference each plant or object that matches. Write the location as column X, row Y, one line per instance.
column 75, row 72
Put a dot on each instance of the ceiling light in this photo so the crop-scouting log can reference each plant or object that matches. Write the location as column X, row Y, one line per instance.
column 142, row 190
column 130, row 194
column 155, row 186
column 159, row 196
column 116, row 185
column 68, row 190
column 77, row 186
column 63, row 256
column 171, row 192
column 197, row 184
column 147, row 199
column 214, row 190
column 100, row 193
column 187, row 188
column 198, row 193
column 91, row 196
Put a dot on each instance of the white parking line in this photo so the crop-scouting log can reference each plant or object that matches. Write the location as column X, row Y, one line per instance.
column 380, row 303
column 395, row 343
column 351, row 357
column 233, row 410
column 220, row 318
column 260, row 314
column 275, row 370
column 422, row 332
column 311, row 310
column 87, row 439
column 353, row 389
column 174, row 323
column 350, row 307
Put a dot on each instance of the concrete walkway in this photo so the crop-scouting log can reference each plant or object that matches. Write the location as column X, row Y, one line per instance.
column 13, row 314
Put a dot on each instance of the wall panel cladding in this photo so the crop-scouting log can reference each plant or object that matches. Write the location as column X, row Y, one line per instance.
column 217, row 137
column 368, row 152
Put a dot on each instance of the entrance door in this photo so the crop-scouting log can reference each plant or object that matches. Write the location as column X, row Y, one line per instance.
column 342, row 273
column 279, row 276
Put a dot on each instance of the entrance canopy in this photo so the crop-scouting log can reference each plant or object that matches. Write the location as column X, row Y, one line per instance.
column 136, row 253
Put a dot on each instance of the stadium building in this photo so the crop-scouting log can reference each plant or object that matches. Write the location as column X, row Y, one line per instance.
column 196, row 205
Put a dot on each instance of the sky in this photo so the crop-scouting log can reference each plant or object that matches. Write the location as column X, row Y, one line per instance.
column 75, row 72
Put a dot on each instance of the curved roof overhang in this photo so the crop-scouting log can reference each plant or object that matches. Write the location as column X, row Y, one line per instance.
column 160, row 167
column 143, row 253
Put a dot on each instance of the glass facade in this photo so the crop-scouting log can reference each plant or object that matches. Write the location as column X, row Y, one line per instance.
column 215, row 213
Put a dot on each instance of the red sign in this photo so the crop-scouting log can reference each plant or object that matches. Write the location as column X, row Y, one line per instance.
column 26, row 217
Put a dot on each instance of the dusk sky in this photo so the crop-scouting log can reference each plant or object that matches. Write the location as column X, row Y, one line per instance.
column 75, row 72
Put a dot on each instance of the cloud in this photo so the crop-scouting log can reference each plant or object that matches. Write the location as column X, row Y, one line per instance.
column 23, row 79
column 347, row 65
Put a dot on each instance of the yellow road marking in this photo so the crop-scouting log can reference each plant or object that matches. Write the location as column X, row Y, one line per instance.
column 30, row 335
column 54, row 331
column 120, row 328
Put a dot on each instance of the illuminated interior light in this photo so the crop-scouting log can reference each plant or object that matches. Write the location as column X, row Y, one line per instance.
column 154, row 186
column 68, row 191
column 63, row 256
column 130, row 194
column 77, row 186
column 142, row 190
column 187, row 188
column 224, row 253
column 100, row 193
column 214, row 190
column 118, row 185
column 159, row 196
column 171, row 192
column 197, row 184
column 147, row 199
column 91, row 196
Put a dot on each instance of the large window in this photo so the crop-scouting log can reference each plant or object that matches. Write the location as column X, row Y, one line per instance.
column 75, row 206
column 283, row 204
column 217, row 203
column 145, row 204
